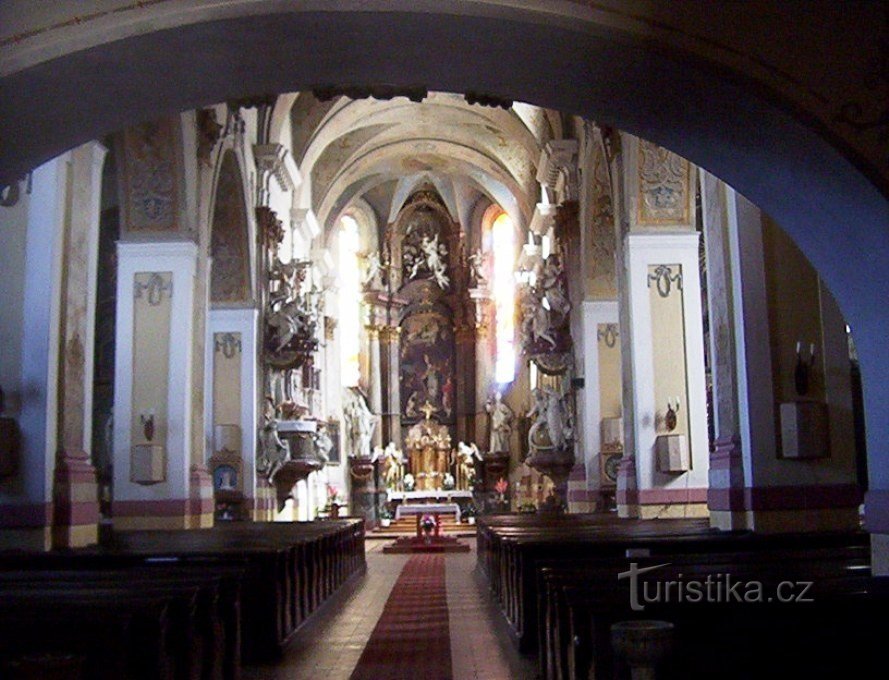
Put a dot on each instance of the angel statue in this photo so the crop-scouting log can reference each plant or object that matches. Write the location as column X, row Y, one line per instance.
column 551, row 417
column 552, row 282
column 373, row 275
column 393, row 463
column 467, row 455
column 536, row 323
column 477, row 269
column 273, row 451
column 433, row 254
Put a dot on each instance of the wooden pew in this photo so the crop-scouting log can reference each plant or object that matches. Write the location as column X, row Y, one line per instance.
column 269, row 579
column 580, row 602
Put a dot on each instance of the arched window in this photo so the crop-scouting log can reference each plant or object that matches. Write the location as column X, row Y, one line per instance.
column 503, row 288
column 349, row 302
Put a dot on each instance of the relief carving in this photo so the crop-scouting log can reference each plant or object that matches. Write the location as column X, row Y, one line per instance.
column 663, row 186
column 151, row 176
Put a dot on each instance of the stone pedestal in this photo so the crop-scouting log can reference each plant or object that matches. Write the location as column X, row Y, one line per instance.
column 365, row 499
column 556, row 465
column 672, row 453
column 202, row 505
column 804, row 430
column 75, row 501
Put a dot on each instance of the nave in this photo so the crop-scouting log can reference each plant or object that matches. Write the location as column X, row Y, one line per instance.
column 331, row 647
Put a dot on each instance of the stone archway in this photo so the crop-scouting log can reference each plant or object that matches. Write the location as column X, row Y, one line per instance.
column 780, row 150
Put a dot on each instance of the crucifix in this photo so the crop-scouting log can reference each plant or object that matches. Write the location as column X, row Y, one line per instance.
column 428, row 409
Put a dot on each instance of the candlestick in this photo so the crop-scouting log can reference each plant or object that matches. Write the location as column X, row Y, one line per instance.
column 799, row 346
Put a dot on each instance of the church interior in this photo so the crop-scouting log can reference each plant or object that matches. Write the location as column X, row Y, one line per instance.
column 391, row 380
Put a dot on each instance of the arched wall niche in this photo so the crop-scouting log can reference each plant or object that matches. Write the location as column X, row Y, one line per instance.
column 229, row 237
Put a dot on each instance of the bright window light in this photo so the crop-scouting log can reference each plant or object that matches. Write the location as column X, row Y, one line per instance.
column 503, row 249
column 349, row 302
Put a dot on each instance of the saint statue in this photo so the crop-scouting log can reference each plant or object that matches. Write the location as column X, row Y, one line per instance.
column 501, row 424
column 360, row 424
column 323, row 443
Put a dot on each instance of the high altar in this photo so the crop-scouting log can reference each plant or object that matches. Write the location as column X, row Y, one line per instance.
column 429, row 452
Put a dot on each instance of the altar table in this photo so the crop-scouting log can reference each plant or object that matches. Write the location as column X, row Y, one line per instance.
column 426, row 509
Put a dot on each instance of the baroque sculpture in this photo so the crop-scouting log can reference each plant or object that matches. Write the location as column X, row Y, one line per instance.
column 273, row 452
column 544, row 308
column 360, row 424
column 501, row 424
column 552, row 423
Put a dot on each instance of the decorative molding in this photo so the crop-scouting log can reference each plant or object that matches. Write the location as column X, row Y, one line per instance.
column 228, row 343
column 155, row 288
column 151, row 176
column 271, row 229
column 543, row 218
column 664, row 279
column 209, row 132
column 664, row 187
column 276, row 161
column 609, row 335
column 557, row 168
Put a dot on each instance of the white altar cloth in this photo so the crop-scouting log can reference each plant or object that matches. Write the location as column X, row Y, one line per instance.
column 408, row 496
column 426, row 509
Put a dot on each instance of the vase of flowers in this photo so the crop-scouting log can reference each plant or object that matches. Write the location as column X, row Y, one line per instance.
column 427, row 524
column 385, row 516
column 500, row 488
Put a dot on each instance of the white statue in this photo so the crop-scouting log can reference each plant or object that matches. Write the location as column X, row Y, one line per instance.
column 274, row 451
column 323, row 443
column 552, row 283
column 433, row 254
column 393, row 463
column 467, row 454
column 476, row 269
column 551, row 416
column 373, row 275
column 501, row 424
column 536, row 321
column 360, row 423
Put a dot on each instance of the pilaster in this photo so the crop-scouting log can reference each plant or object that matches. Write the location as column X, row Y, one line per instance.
column 152, row 392
column 26, row 502
column 75, row 490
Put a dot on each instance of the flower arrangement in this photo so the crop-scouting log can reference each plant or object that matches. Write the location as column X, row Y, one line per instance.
column 409, row 482
column 427, row 523
column 448, row 483
column 501, row 487
column 333, row 495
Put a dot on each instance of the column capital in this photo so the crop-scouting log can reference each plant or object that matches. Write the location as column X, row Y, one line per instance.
column 390, row 333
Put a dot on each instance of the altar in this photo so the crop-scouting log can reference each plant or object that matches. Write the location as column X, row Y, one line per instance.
column 404, row 509
column 434, row 494
column 429, row 453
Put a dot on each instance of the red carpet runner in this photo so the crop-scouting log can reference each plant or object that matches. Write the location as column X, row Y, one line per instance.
column 412, row 638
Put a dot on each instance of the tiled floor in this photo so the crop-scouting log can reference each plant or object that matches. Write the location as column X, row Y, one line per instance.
column 330, row 646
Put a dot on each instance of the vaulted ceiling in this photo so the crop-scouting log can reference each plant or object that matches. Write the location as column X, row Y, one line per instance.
column 349, row 149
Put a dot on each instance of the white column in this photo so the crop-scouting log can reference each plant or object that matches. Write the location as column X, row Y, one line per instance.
column 28, row 501
column 667, row 494
column 163, row 504
column 244, row 322
column 595, row 313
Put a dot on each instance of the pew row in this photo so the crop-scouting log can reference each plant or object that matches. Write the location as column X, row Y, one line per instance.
column 202, row 599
